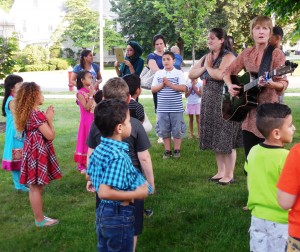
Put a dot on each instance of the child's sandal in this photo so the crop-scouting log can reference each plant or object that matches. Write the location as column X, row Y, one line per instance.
column 49, row 219
column 42, row 223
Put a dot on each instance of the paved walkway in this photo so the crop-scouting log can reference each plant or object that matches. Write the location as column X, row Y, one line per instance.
column 57, row 81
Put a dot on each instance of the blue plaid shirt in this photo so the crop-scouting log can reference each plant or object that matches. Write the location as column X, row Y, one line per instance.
column 111, row 165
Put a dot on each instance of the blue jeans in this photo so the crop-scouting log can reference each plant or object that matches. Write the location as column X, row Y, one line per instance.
column 115, row 227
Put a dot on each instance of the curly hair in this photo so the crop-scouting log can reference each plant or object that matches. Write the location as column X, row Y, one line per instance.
column 9, row 83
column 25, row 101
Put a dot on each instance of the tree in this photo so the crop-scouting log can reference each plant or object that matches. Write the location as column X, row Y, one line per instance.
column 8, row 49
column 6, row 4
column 234, row 17
column 188, row 17
column 287, row 13
column 81, row 25
column 111, row 37
column 139, row 20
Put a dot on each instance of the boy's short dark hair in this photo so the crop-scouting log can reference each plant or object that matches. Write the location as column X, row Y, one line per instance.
column 98, row 96
column 133, row 81
column 278, row 31
column 270, row 116
column 108, row 114
column 169, row 53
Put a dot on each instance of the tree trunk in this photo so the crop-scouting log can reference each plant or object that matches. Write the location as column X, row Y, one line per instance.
column 193, row 53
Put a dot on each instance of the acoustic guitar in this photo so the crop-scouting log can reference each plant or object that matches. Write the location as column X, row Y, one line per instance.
column 236, row 108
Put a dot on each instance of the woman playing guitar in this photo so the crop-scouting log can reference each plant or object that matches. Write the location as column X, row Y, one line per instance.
column 250, row 59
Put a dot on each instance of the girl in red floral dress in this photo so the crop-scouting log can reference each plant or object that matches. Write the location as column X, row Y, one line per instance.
column 39, row 165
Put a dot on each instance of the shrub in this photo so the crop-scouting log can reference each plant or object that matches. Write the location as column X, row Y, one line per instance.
column 59, row 64
column 68, row 53
column 55, row 51
column 18, row 68
column 34, row 55
column 71, row 61
column 41, row 67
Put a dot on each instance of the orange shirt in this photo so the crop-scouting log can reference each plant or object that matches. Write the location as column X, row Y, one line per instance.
column 249, row 59
column 289, row 182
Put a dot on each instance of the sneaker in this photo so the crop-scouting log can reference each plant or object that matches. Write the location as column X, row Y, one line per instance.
column 176, row 154
column 160, row 140
column 148, row 212
column 167, row 154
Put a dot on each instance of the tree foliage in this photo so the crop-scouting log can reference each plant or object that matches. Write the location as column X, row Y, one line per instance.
column 81, row 25
column 188, row 18
column 139, row 20
column 111, row 37
column 287, row 14
column 8, row 49
column 235, row 16
column 6, row 4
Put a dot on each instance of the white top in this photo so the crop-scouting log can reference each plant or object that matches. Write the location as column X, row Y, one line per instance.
column 194, row 98
column 169, row 100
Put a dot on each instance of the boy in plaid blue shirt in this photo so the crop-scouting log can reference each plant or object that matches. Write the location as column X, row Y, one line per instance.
column 118, row 182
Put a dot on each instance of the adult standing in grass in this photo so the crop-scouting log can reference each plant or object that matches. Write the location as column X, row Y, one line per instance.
column 216, row 134
column 154, row 59
column 261, row 30
column 154, row 62
column 86, row 63
column 133, row 63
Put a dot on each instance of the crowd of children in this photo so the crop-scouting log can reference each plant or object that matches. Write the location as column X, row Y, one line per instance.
column 112, row 150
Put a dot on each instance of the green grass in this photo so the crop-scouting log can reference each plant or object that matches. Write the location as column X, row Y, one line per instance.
column 190, row 214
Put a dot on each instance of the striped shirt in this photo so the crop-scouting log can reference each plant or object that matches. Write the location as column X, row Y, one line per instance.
column 169, row 100
column 111, row 165
column 136, row 110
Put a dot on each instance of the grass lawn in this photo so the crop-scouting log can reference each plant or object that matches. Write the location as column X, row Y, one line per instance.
column 190, row 213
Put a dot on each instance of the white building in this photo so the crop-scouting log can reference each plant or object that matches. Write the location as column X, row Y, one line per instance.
column 35, row 20
column 7, row 25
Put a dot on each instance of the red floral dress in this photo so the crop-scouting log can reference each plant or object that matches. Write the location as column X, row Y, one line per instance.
column 39, row 165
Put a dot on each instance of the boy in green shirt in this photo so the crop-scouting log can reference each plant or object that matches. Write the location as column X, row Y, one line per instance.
column 268, row 230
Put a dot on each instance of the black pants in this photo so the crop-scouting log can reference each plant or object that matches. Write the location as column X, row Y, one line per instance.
column 250, row 140
column 155, row 100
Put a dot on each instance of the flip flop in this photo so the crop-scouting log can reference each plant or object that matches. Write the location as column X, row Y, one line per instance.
column 42, row 223
column 49, row 219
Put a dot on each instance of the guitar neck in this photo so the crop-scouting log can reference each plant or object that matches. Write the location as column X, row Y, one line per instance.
column 254, row 83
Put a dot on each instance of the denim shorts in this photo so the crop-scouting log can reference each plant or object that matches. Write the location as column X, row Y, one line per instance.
column 170, row 124
column 115, row 227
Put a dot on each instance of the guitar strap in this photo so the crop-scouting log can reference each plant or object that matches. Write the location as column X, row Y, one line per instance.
column 266, row 61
